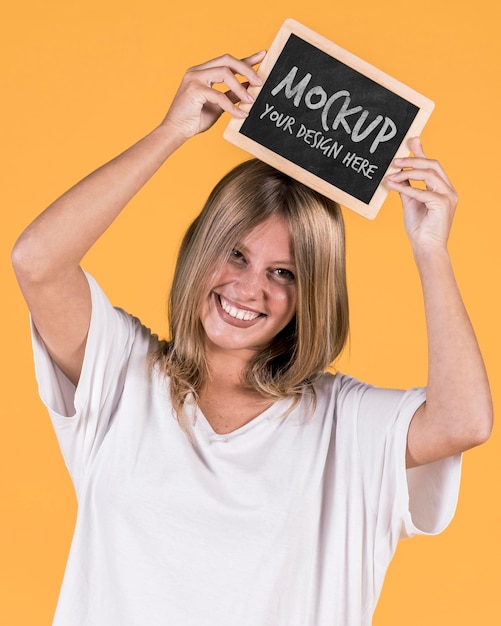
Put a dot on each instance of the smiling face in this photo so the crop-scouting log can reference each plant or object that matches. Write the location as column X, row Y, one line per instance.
column 253, row 297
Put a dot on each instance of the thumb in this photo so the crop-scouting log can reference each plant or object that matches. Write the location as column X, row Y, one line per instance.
column 417, row 147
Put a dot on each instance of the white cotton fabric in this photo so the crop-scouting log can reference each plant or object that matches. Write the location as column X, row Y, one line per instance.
column 290, row 520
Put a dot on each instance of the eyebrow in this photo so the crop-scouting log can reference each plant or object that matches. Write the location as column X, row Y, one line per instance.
column 287, row 262
column 243, row 248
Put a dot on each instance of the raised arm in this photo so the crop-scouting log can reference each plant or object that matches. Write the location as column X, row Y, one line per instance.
column 48, row 253
column 457, row 414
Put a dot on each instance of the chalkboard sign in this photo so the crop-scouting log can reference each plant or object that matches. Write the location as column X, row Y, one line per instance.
column 329, row 119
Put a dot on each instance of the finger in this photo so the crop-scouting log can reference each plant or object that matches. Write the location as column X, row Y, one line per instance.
column 421, row 161
column 255, row 58
column 223, row 101
column 433, row 181
column 405, row 189
column 417, row 147
column 223, row 75
column 237, row 66
column 230, row 60
column 250, row 61
column 232, row 96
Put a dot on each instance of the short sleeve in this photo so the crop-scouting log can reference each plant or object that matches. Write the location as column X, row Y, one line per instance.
column 421, row 500
column 81, row 416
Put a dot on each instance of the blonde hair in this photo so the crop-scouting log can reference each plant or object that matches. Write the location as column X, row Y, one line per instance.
column 245, row 197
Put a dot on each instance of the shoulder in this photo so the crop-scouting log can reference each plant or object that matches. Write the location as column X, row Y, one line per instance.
column 117, row 344
column 338, row 386
column 108, row 321
column 338, row 397
column 350, row 399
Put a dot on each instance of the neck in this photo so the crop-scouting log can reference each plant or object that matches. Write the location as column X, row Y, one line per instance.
column 225, row 402
column 227, row 367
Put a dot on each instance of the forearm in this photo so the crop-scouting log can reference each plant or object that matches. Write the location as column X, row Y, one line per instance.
column 458, row 412
column 58, row 239
column 47, row 256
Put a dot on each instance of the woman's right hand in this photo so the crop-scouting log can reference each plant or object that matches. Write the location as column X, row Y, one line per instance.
column 197, row 105
column 47, row 255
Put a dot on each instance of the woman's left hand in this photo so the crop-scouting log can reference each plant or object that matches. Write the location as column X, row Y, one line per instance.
column 456, row 416
column 428, row 213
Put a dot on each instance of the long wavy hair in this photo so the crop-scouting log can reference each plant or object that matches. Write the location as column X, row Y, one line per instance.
column 287, row 367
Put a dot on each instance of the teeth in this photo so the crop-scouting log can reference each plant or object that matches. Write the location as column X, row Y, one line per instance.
column 238, row 314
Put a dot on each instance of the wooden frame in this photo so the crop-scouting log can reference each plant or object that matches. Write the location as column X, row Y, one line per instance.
column 335, row 154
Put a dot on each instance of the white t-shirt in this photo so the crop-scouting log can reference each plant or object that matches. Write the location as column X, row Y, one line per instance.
column 290, row 520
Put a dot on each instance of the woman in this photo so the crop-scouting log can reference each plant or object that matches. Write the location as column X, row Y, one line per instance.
column 222, row 478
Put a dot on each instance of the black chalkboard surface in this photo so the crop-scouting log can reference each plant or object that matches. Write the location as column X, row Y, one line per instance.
column 329, row 119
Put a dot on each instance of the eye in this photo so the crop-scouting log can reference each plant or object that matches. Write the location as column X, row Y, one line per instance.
column 236, row 255
column 285, row 275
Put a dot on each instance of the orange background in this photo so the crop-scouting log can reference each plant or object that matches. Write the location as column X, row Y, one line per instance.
column 82, row 80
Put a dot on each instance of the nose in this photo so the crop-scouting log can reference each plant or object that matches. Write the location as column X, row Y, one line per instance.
column 251, row 284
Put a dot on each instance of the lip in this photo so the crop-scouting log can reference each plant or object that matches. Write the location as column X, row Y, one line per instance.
column 226, row 317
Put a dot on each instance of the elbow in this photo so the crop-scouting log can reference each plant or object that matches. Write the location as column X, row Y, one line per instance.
column 18, row 256
column 38, row 261
column 26, row 260
column 483, row 429
column 479, row 429
column 22, row 260
column 434, row 436
column 485, row 421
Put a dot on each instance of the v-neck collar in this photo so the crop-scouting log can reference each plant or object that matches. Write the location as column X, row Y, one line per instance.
column 205, row 427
